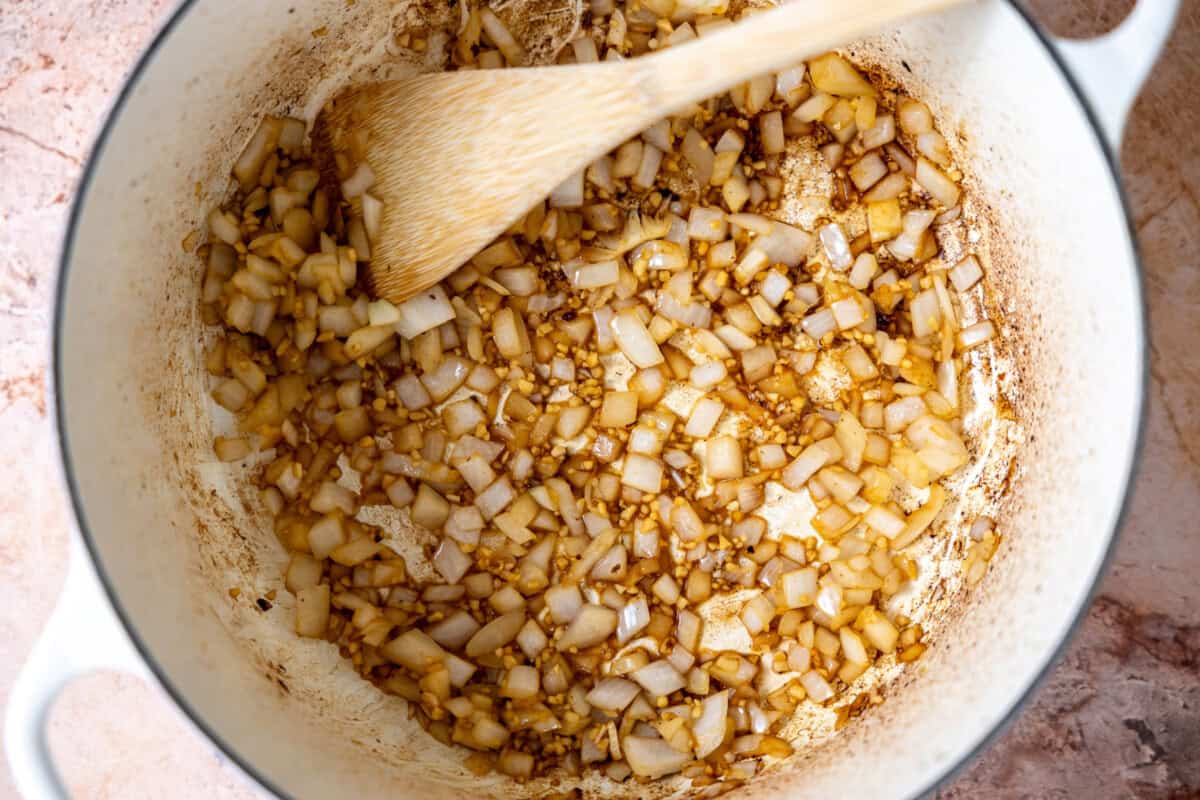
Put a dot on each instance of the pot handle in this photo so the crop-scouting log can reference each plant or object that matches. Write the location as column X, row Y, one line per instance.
column 83, row 635
column 1111, row 69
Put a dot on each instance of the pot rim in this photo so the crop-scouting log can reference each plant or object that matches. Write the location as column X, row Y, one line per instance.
column 66, row 255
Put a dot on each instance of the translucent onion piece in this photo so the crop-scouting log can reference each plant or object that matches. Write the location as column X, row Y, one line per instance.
column 658, row 678
column 423, row 312
column 613, row 694
column 635, row 341
column 652, row 758
column 593, row 625
column 496, row 634
column 635, row 616
column 837, row 247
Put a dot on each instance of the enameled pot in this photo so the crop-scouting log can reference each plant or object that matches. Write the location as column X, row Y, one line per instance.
column 165, row 530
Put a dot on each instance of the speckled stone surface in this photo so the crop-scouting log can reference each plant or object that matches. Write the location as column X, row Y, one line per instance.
column 1118, row 717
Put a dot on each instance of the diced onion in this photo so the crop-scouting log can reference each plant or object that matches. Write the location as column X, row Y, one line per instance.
column 891, row 187
column 975, row 335
column 937, row 183
column 312, row 611
column 704, row 417
column 520, row 682
column 594, row 454
column 652, row 758
column 423, row 311
column 569, row 193
column 451, row 562
column 454, row 631
column 514, row 54
column 635, row 341
column 797, row 473
column 494, row 499
column 666, row 589
column 723, row 458
column 224, row 228
column 966, row 273
column 771, row 132
column 613, row 694
column 921, row 519
column 658, row 678
column 707, row 224
column 635, row 616
column 648, row 167
column 708, row 374
column 686, row 522
column 867, row 171
column 898, row 414
column 864, row 269
column 591, row 626
column 532, row 640
column 359, row 182
column 813, row 108
column 881, row 133
column 915, row 118
column 757, row 613
column 789, row 84
column 414, row 650
column 819, row 323
column 495, row 634
column 926, row 313
column 849, row 312
column 932, row 145
column 642, row 472
column 564, row 603
column 799, row 587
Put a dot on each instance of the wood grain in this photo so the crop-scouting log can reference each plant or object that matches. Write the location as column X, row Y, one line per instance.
column 495, row 142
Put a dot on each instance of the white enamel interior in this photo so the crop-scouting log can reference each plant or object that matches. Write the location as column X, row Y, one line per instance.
column 167, row 524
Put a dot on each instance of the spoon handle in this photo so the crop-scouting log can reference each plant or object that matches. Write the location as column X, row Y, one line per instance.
column 780, row 37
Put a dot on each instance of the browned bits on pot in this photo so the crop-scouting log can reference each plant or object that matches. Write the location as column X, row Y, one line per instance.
column 594, row 416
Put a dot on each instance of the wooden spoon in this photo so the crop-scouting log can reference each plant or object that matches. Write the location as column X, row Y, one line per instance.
column 458, row 157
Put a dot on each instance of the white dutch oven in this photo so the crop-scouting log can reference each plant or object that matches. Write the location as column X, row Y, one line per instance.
column 165, row 531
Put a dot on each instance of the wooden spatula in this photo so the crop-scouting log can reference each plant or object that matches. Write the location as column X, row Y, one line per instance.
column 457, row 157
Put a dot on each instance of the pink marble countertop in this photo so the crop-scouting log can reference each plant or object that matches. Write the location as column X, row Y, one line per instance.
column 1118, row 717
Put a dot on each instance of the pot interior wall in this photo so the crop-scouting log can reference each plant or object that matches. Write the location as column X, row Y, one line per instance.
column 174, row 530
